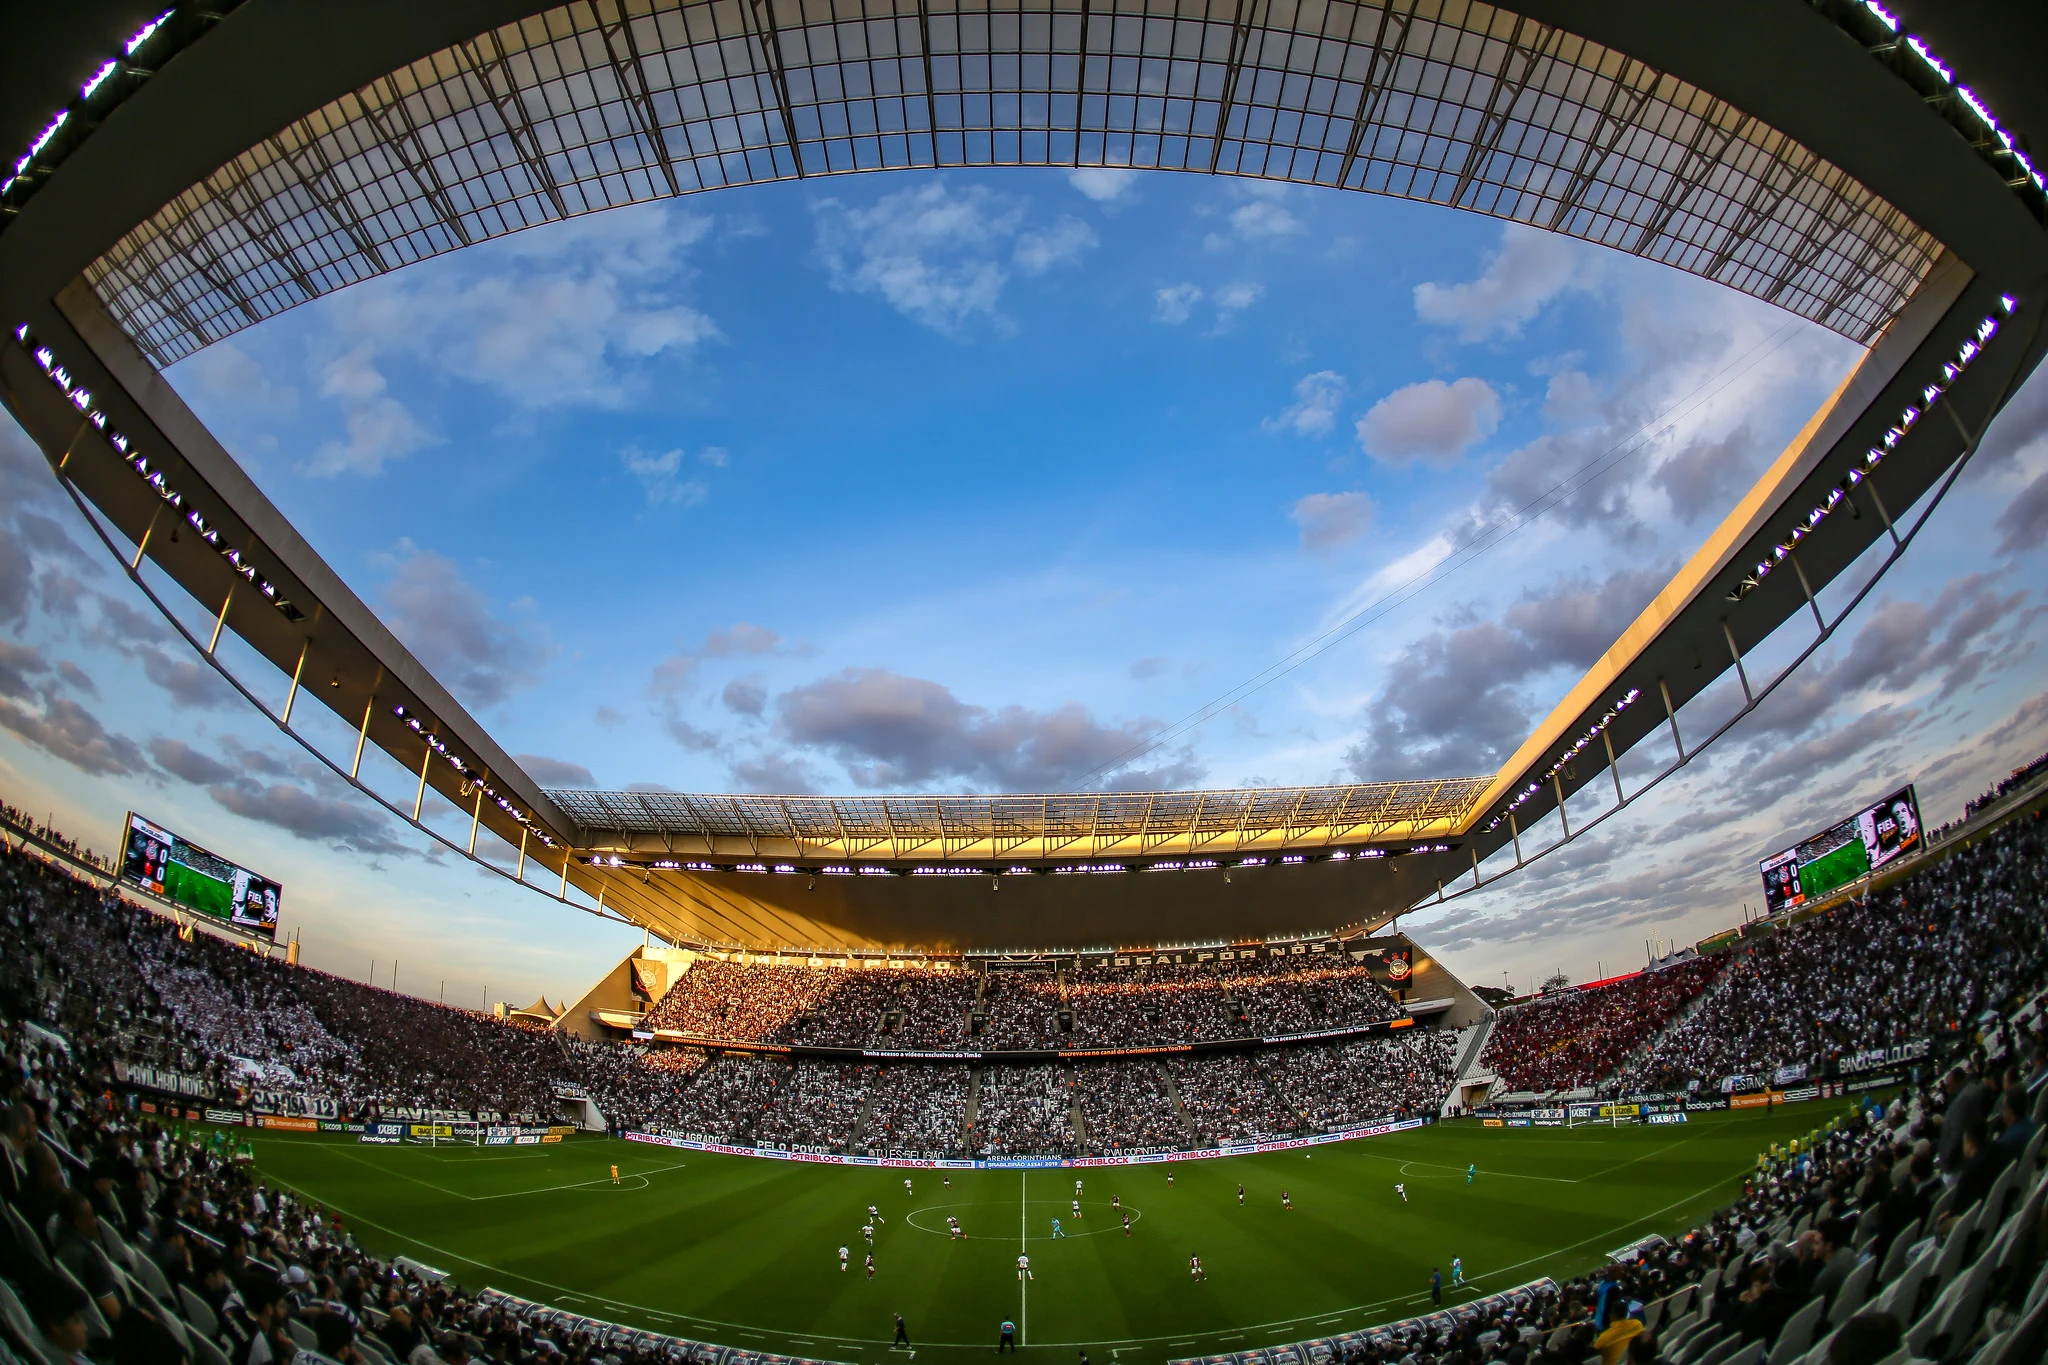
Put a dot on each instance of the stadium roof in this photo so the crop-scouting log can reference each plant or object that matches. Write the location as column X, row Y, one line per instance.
column 217, row 165
column 1019, row 828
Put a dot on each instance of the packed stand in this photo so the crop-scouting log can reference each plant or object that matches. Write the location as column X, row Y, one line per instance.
column 1918, row 1227
column 918, row 1111
column 645, row 1089
column 814, row 1105
column 1024, row 1111
column 1336, row 1086
column 743, row 1002
column 1019, row 1011
column 1918, row 960
column 55, row 838
column 1127, row 1107
column 1228, row 1098
column 1573, row 1038
column 159, row 1247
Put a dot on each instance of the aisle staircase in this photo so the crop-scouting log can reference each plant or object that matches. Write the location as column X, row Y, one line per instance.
column 972, row 1114
column 867, row 1108
column 1187, row 1121
column 1469, row 1072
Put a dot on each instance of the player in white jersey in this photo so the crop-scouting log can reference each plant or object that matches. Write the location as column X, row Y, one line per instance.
column 842, row 1260
column 1077, row 1208
column 1024, row 1268
column 906, row 1184
column 1402, row 1190
column 868, row 1231
column 875, row 1215
column 1195, row 1268
column 1077, row 1189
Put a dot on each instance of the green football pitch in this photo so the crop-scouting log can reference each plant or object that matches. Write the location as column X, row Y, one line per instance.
column 744, row 1251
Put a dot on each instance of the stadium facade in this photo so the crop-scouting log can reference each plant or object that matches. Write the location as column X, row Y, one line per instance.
column 211, row 168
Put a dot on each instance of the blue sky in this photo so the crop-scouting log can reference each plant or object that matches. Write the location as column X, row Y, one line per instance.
column 979, row 481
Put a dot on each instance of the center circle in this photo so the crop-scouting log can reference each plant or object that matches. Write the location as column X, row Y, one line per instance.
column 1039, row 1214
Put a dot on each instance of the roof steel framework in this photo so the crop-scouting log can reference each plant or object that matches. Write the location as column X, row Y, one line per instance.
column 601, row 103
column 498, row 126
column 1138, row 824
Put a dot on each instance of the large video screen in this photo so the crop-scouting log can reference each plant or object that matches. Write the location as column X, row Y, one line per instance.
column 1837, row 856
column 165, row 864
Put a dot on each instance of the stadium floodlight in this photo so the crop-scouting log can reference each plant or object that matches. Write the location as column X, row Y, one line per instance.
column 1930, row 394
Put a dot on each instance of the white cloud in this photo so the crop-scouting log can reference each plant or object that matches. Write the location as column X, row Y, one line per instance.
column 1314, row 410
column 482, row 657
column 1173, row 304
column 1041, row 249
column 1530, row 269
column 935, row 254
column 1232, row 298
column 1264, row 218
column 1432, row 421
column 226, row 370
column 660, row 476
column 379, row 427
column 1570, row 398
column 554, row 317
column 1328, row 520
column 1103, row 184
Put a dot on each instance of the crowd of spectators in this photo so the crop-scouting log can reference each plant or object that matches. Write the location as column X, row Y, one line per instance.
column 635, row 1086
column 1127, row 1107
column 173, row 1253
column 1568, row 1039
column 814, row 1105
column 1918, row 960
column 1024, row 1110
column 2018, row 778
column 932, row 1008
column 1808, row 1216
column 1019, row 1011
column 1335, row 1086
column 122, row 1201
column 918, row 1111
column 1229, row 1099
column 54, row 837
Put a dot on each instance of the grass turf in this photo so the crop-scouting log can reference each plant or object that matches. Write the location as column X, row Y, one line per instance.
column 743, row 1251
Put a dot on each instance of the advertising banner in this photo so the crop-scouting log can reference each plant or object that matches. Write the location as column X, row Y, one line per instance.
column 1789, row 1075
column 290, row 1123
column 1678, row 1117
column 1757, row 1100
column 170, row 1082
column 291, row 1102
column 233, row 1116
column 1885, row 1058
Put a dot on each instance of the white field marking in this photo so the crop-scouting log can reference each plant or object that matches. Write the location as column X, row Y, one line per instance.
column 1023, row 1281
column 1103, row 1226
column 1460, row 1170
column 1654, row 1151
column 1306, row 1318
column 509, row 1194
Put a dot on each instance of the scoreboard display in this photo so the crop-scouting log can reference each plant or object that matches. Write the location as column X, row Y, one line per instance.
column 173, row 867
column 1840, row 854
